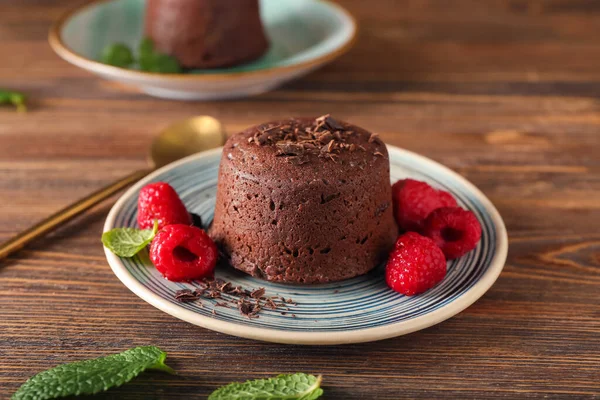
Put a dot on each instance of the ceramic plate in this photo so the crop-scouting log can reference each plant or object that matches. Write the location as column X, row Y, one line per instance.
column 304, row 35
column 355, row 310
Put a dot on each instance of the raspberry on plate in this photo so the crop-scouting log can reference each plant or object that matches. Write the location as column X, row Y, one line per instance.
column 415, row 200
column 456, row 231
column 183, row 253
column 159, row 201
column 415, row 265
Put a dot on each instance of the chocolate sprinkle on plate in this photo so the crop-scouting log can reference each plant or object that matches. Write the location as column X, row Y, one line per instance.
column 258, row 293
column 249, row 303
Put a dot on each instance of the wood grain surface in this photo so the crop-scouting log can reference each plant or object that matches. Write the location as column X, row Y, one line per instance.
column 507, row 93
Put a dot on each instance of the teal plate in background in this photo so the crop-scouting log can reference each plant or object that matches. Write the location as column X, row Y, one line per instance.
column 361, row 309
column 304, row 35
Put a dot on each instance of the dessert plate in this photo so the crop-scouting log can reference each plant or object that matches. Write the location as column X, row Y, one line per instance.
column 304, row 35
column 356, row 310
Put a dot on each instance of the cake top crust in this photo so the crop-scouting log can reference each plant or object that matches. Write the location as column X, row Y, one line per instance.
column 304, row 145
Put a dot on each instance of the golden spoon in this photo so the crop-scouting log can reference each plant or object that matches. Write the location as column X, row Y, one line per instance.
column 175, row 142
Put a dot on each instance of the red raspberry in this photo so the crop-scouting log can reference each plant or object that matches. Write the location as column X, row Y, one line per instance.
column 159, row 201
column 455, row 230
column 414, row 201
column 415, row 265
column 183, row 253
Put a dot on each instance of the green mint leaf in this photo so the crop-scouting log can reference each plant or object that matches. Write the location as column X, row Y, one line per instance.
column 146, row 48
column 118, row 55
column 295, row 386
column 92, row 376
column 160, row 63
column 127, row 242
column 149, row 60
column 17, row 99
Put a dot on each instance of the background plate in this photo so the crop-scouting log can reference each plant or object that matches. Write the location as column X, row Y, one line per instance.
column 355, row 310
column 303, row 35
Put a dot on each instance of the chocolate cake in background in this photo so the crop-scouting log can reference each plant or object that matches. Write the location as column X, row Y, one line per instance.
column 207, row 33
column 304, row 200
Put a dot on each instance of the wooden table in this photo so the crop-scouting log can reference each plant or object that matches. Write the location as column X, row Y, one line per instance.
column 507, row 93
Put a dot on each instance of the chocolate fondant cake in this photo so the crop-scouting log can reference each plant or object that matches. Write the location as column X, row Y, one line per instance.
column 207, row 33
column 304, row 201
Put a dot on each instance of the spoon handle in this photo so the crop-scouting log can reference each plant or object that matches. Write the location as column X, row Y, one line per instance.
column 59, row 218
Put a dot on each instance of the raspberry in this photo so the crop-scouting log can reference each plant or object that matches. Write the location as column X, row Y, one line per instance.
column 456, row 231
column 414, row 201
column 415, row 265
column 183, row 253
column 159, row 201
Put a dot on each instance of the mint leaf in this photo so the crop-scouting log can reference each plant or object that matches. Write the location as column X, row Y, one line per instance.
column 153, row 61
column 118, row 55
column 127, row 242
column 159, row 63
column 148, row 60
column 17, row 99
column 296, row 386
column 92, row 376
column 146, row 48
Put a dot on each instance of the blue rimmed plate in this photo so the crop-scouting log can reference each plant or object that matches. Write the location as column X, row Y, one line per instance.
column 356, row 310
column 304, row 35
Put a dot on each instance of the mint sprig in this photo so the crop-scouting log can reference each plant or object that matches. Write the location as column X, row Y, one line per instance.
column 295, row 386
column 127, row 242
column 92, row 376
column 118, row 55
column 17, row 99
column 148, row 59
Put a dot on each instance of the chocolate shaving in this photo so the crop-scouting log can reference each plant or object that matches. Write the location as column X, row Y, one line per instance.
column 289, row 149
column 249, row 303
column 271, row 304
column 330, row 146
column 325, row 137
column 203, row 284
column 247, row 309
column 186, row 296
column 374, row 138
column 237, row 291
column 258, row 293
column 333, row 124
column 211, row 294
column 265, row 130
column 379, row 154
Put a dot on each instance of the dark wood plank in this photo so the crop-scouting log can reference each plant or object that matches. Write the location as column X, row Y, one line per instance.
column 506, row 92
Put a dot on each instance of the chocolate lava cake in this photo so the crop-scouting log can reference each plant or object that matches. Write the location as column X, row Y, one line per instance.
column 304, row 201
column 207, row 33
